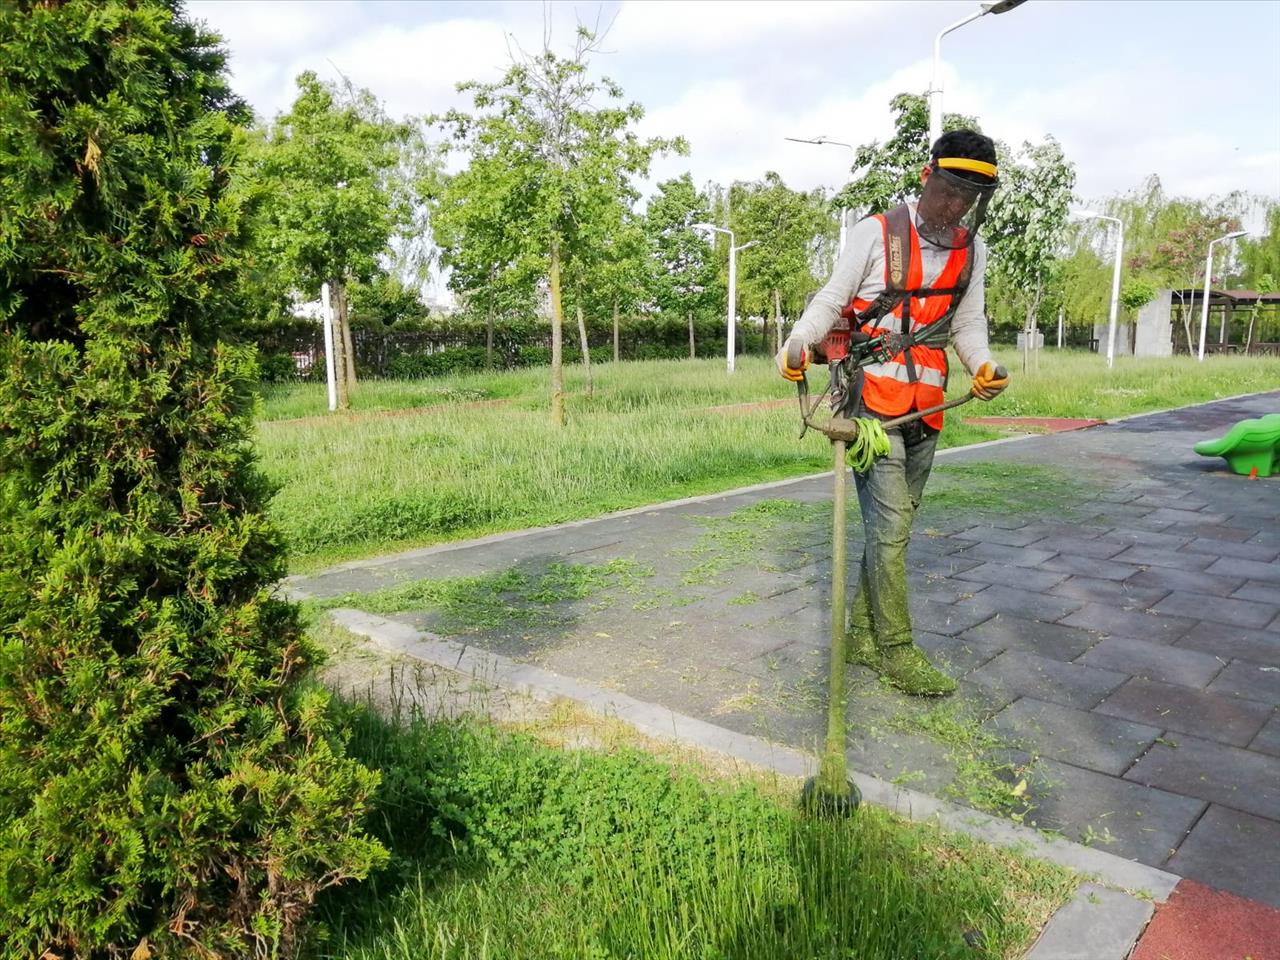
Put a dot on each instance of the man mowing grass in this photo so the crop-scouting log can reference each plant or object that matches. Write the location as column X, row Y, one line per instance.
column 915, row 274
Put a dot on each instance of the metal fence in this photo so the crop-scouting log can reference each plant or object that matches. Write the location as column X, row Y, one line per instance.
column 298, row 353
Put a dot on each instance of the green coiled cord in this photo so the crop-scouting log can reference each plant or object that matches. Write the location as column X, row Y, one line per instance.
column 868, row 446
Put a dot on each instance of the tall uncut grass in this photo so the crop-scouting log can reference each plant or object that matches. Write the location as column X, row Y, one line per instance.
column 505, row 848
column 386, row 476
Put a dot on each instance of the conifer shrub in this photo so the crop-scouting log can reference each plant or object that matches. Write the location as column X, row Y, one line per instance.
column 170, row 785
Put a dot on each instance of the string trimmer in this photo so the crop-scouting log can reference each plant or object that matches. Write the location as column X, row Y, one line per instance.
column 857, row 442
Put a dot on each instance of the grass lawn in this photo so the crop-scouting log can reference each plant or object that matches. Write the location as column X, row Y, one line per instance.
column 485, row 457
column 570, row 839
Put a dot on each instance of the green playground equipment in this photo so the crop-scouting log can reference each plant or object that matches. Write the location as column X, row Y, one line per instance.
column 1251, row 445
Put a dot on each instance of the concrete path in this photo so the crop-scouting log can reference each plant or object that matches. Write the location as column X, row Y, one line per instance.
column 1110, row 599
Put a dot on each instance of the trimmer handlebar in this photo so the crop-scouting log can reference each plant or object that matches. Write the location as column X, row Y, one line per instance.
column 795, row 354
column 795, row 360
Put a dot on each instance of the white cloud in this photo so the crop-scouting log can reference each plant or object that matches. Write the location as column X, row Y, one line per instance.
column 709, row 26
column 1118, row 133
column 415, row 70
column 412, row 69
column 736, row 80
column 735, row 137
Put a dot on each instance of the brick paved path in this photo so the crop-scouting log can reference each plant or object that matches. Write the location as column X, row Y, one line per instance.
column 1115, row 617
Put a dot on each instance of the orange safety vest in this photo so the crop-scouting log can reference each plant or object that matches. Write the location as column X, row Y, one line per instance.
column 915, row 378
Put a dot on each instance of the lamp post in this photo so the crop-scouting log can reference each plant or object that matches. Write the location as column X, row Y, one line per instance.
column 1208, row 271
column 1115, row 277
column 733, row 284
column 935, row 88
column 844, row 213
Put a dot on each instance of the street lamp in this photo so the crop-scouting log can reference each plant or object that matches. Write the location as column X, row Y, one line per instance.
column 733, row 284
column 844, row 213
column 1115, row 277
column 1208, row 270
column 935, row 89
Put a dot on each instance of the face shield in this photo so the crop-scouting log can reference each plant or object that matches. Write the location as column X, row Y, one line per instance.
column 952, row 206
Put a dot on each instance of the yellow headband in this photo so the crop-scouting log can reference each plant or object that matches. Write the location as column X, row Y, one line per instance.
column 963, row 163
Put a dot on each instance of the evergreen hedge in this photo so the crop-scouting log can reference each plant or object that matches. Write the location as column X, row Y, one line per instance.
column 169, row 786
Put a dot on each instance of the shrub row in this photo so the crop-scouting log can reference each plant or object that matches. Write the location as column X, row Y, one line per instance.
column 404, row 360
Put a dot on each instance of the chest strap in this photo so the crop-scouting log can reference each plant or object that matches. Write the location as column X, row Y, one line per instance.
column 902, row 282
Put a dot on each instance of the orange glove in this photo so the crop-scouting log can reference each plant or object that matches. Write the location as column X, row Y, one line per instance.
column 989, row 380
column 794, row 374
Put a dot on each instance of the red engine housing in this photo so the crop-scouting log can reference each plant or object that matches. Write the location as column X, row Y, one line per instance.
column 836, row 345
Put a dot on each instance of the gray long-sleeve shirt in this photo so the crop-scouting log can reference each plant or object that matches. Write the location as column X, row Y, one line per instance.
column 860, row 272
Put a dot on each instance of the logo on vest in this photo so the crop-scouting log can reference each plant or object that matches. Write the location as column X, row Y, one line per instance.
column 895, row 259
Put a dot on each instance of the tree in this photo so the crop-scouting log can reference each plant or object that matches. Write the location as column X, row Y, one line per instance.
column 621, row 276
column 491, row 264
column 384, row 302
column 168, row 787
column 1083, row 288
column 330, row 193
column 1264, row 284
column 1260, row 256
column 1165, row 240
column 546, row 161
column 787, row 224
column 685, row 282
column 891, row 171
column 609, row 268
column 1025, row 227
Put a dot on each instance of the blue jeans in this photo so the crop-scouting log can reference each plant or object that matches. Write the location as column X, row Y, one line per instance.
column 889, row 494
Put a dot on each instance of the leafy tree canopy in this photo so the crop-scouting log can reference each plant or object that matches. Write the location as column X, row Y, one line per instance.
column 791, row 227
column 553, row 156
column 685, row 278
column 890, row 171
column 328, row 186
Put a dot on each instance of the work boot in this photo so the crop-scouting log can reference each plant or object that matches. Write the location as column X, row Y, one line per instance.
column 860, row 648
column 906, row 667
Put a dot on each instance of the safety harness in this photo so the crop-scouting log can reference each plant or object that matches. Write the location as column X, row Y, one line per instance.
column 897, row 270
column 852, row 344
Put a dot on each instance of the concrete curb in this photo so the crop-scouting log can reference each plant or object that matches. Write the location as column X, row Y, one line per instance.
column 1104, row 923
column 1096, row 924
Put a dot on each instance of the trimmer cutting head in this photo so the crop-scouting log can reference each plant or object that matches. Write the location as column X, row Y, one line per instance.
column 819, row 802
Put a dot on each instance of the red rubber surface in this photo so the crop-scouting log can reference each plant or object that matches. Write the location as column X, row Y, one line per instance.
column 1200, row 923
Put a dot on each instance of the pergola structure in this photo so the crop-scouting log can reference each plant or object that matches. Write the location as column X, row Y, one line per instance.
column 1257, row 332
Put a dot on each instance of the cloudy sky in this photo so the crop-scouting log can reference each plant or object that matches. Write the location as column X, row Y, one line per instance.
column 1189, row 90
